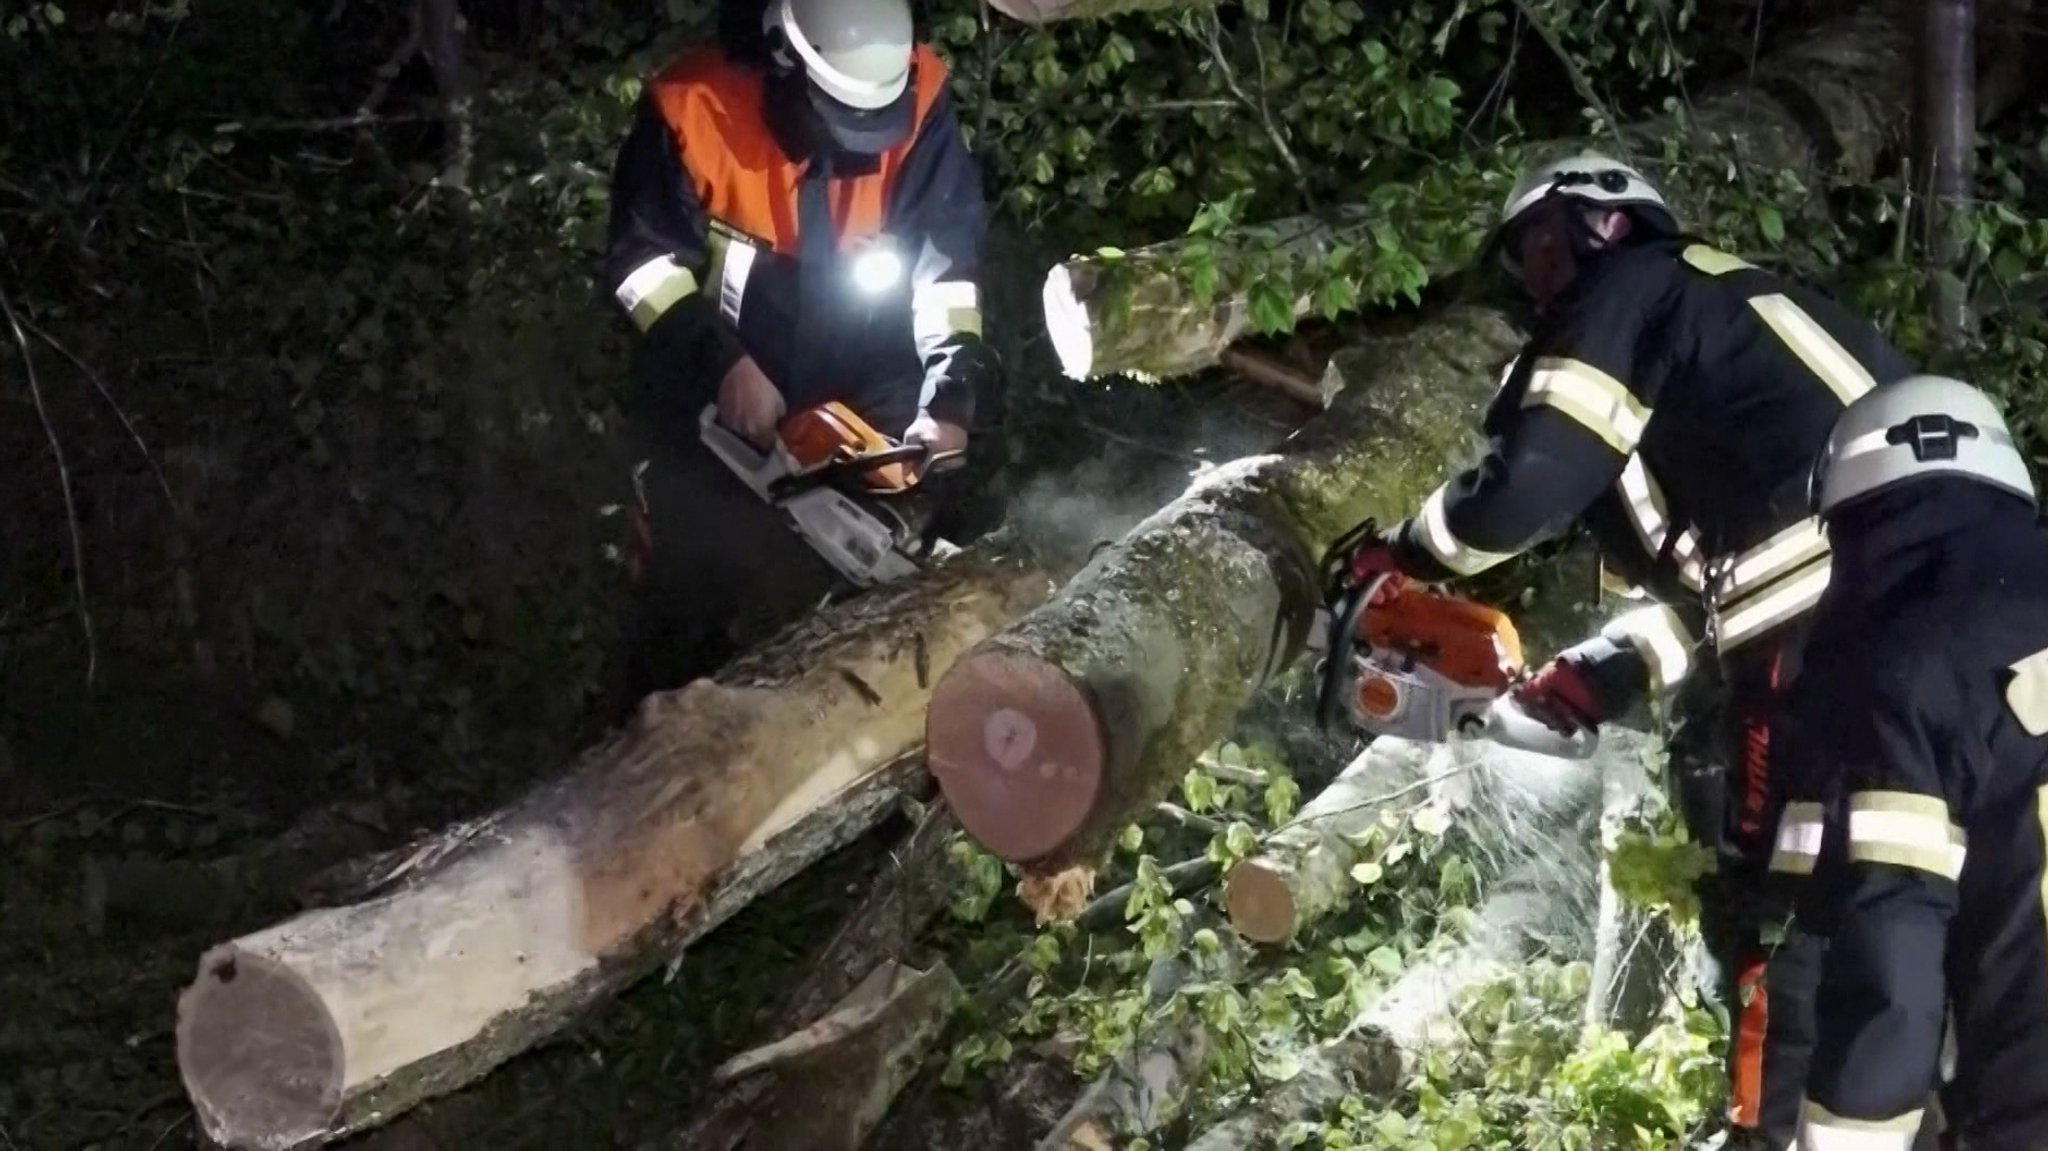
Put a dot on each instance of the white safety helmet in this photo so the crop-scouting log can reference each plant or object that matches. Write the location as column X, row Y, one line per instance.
column 857, row 52
column 1590, row 178
column 1921, row 427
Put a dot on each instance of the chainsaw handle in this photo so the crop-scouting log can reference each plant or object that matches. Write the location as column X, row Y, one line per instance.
column 1338, row 643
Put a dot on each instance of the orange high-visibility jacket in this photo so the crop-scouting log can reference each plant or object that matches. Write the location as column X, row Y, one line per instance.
column 723, row 244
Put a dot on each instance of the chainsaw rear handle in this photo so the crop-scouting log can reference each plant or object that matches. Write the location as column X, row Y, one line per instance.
column 1339, row 642
column 934, row 462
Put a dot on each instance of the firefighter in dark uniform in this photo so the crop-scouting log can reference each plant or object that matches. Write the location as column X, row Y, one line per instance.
column 1925, row 703
column 1671, row 398
column 795, row 220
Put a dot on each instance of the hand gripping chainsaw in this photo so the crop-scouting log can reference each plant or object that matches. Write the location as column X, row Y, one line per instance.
column 850, row 492
column 1426, row 665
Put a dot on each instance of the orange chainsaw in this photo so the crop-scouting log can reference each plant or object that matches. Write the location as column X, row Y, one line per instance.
column 850, row 492
column 1426, row 665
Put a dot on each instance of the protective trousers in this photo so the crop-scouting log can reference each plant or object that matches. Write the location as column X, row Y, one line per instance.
column 1730, row 787
column 713, row 568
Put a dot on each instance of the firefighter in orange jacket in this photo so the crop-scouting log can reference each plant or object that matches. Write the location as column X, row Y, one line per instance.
column 795, row 220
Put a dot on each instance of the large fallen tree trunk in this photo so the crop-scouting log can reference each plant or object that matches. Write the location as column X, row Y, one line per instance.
column 495, row 934
column 1050, row 736
column 1137, row 312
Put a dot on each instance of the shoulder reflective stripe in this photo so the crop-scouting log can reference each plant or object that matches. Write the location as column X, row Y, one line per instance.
column 1644, row 499
column 1791, row 548
column 1905, row 830
column 1814, row 347
column 1802, row 828
column 1713, row 261
column 736, row 263
column 1784, row 601
column 653, row 288
column 1590, row 396
column 2027, row 694
column 941, row 309
column 1823, row 1130
column 1661, row 637
column 1448, row 550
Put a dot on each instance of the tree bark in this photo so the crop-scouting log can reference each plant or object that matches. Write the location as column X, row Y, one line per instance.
column 1052, row 735
column 1945, row 171
column 826, row 1087
column 915, row 884
column 1048, row 11
column 497, row 933
column 1832, row 99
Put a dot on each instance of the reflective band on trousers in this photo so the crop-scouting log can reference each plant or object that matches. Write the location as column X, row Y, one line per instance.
column 1435, row 530
column 1823, row 1130
column 1596, row 400
column 942, row 309
column 1648, row 515
column 1657, row 633
column 1903, row 829
column 653, row 288
column 1801, row 829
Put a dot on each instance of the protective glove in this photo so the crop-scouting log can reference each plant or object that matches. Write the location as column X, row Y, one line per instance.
column 939, row 436
column 1561, row 697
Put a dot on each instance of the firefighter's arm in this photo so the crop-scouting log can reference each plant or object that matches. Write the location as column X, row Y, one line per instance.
column 938, row 211
column 658, row 257
column 1588, row 398
column 1888, row 891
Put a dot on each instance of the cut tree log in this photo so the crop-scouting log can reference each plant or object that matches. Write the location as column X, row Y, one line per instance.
column 1833, row 98
column 1303, row 870
column 1052, row 735
column 826, row 1087
column 496, row 934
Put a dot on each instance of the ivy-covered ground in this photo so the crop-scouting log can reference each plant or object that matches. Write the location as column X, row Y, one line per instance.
column 310, row 468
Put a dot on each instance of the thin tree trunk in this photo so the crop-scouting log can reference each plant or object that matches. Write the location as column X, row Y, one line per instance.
column 1945, row 174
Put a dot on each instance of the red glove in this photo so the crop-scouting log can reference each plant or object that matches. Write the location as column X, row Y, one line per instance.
column 1373, row 558
column 1560, row 698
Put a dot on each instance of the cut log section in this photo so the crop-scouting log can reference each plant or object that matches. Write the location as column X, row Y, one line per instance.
column 826, row 1087
column 1303, row 872
column 1055, row 733
column 496, row 934
column 1137, row 314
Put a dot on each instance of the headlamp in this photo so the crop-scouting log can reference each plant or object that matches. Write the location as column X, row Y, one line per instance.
column 877, row 268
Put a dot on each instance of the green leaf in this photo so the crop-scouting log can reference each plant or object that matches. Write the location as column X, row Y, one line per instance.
column 1771, row 222
column 1272, row 312
column 1367, row 873
column 1386, row 961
